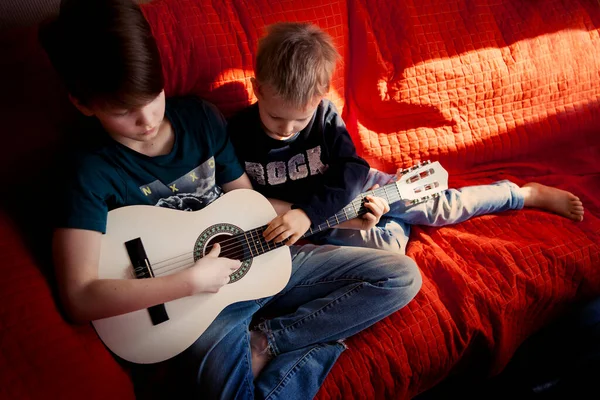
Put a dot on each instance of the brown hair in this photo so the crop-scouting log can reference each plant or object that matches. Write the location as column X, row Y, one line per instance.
column 105, row 52
column 297, row 61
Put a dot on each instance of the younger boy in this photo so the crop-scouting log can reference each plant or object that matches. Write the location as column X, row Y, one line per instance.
column 295, row 148
column 176, row 154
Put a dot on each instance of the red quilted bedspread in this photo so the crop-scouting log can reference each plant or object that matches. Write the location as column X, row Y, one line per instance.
column 501, row 89
column 493, row 90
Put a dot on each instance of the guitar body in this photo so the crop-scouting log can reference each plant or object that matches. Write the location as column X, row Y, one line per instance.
column 161, row 241
column 170, row 238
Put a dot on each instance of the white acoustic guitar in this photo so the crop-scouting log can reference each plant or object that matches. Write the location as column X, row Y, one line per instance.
column 147, row 241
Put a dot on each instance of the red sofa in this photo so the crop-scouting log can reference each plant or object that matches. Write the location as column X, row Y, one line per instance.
column 492, row 89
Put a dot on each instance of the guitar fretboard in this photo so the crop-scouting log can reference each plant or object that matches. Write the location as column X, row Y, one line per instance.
column 356, row 208
column 254, row 244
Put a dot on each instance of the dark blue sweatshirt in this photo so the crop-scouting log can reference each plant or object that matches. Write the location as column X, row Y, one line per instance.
column 317, row 171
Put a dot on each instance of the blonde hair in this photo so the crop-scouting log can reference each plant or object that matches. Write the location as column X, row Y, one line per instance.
column 297, row 60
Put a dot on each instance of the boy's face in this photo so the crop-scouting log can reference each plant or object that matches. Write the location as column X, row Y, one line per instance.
column 281, row 121
column 137, row 124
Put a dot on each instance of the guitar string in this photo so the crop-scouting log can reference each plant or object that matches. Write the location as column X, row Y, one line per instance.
column 235, row 241
column 357, row 202
column 237, row 250
column 237, row 246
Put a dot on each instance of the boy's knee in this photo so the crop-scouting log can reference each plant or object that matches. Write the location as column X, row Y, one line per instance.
column 404, row 276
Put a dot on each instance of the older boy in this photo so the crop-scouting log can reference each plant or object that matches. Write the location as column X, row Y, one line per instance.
column 295, row 148
column 109, row 61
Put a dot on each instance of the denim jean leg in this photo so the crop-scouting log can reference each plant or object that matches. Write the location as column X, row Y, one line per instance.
column 458, row 205
column 334, row 292
column 389, row 235
column 220, row 358
column 286, row 376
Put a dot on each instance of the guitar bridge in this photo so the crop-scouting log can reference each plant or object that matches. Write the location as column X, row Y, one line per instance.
column 143, row 270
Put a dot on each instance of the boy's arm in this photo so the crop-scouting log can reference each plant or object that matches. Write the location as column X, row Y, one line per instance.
column 344, row 177
column 243, row 182
column 86, row 297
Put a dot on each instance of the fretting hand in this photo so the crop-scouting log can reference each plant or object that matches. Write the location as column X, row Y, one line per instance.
column 291, row 226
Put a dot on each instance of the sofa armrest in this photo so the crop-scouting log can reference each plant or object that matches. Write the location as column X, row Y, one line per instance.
column 42, row 355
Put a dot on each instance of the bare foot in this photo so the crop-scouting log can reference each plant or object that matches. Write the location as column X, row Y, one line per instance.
column 552, row 199
column 260, row 352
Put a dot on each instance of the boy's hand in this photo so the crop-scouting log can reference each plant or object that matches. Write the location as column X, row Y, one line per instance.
column 291, row 226
column 211, row 272
column 378, row 206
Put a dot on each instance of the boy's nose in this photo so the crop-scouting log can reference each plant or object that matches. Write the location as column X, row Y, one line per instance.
column 287, row 128
column 144, row 118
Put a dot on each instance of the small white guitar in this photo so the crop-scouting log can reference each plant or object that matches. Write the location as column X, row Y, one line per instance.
column 147, row 241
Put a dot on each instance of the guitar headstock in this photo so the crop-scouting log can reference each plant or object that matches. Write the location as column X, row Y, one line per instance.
column 422, row 182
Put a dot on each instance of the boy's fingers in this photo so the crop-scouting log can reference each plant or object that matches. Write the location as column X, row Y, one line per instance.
column 275, row 233
column 292, row 239
column 370, row 217
column 374, row 207
column 273, row 225
column 215, row 250
column 283, row 236
column 380, row 205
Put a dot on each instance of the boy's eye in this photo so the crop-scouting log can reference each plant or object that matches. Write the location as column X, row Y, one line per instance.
column 121, row 113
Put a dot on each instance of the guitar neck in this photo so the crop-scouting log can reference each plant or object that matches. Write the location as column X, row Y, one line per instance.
column 254, row 243
column 356, row 208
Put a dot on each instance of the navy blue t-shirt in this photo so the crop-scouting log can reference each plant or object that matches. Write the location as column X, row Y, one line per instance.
column 317, row 170
column 111, row 175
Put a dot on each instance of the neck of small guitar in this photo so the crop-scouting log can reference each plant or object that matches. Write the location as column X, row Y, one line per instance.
column 356, row 208
column 254, row 243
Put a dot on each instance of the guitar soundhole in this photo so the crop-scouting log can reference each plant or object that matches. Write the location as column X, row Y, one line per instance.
column 230, row 247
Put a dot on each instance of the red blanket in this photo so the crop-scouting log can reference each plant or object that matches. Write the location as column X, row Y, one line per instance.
column 493, row 90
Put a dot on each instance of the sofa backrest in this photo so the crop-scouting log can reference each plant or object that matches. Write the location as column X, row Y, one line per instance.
column 476, row 85
column 473, row 84
column 208, row 47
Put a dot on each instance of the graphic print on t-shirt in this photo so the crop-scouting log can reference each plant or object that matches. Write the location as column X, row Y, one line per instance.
column 298, row 166
column 192, row 191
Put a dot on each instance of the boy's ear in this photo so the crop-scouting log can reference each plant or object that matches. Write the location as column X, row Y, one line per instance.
column 255, row 88
column 82, row 108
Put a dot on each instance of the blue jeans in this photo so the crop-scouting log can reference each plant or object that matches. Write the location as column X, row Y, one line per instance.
column 453, row 206
column 334, row 292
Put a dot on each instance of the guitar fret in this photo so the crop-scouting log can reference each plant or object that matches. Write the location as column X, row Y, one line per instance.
column 253, row 241
column 386, row 194
column 248, row 244
column 261, row 239
column 354, row 207
column 266, row 243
